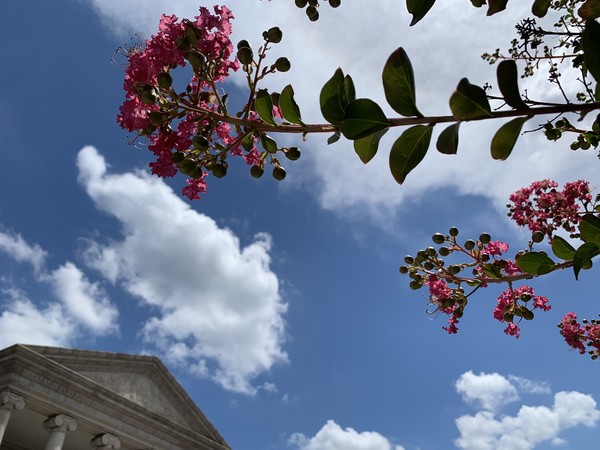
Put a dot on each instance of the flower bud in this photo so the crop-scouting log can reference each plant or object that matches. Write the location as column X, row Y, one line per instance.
column 283, row 64
column 256, row 171
column 444, row 251
column 301, row 3
column 243, row 43
column 453, row 231
column 470, row 244
column 403, row 269
column 409, row 260
column 537, row 236
column 196, row 59
column 245, row 55
column 155, row 118
column 414, row 285
column 428, row 265
column 279, row 173
column 335, row 3
column 273, row 35
column 292, row 153
column 219, row 170
column 200, row 142
column 438, row 238
column 312, row 13
column 148, row 97
column 165, row 80
column 485, row 238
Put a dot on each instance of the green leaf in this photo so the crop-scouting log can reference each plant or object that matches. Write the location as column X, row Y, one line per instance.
column 469, row 102
column 495, row 6
column 589, row 228
column 591, row 48
column 535, row 263
column 333, row 138
column 409, row 150
column 289, row 108
column 334, row 98
column 268, row 143
column 399, row 84
column 590, row 9
column 447, row 142
column 540, row 7
column 506, row 137
column 363, row 117
column 491, row 271
column 349, row 88
column 583, row 256
column 508, row 84
column 418, row 9
column 367, row 147
column 562, row 249
column 264, row 106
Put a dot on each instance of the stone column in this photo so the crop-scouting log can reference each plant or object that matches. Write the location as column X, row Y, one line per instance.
column 106, row 441
column 8, row 402
column 58, row 426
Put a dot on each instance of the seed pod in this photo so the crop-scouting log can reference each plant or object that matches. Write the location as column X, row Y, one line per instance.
column 403, row 269
column 335, row 3
column 470, row 244
column 301, row 3
column 428, row 265
column 148, row 98
column 453, row 231
column 409, row 260
column 219, row 170
column 414, row 285
column 444, row 251
column 243, row 43
column 312, row 13
column 537, row 236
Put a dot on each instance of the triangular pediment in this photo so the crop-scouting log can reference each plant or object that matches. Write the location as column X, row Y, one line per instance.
column 140, row 379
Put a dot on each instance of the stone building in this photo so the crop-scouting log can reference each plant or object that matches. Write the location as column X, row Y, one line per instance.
column 57, row 398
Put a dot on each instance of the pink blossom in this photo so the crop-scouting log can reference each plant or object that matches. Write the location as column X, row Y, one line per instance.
column 495, row 248
column 438, row 289
column 512, row 330
column 195, row 187
column 452, row 322
column 572, row 332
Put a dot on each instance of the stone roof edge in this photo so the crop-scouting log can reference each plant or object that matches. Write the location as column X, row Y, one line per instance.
column 20, row 353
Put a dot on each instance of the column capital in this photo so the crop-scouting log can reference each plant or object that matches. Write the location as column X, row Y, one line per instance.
column 60, row 422
column 106, row 441
column 8, row 400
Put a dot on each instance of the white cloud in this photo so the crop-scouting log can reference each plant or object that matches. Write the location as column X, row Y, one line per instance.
column 333, row 437
column 216, row 305
column 441, row 56
column 21, row 321
column 490, row 390
column 84, row 301
column 81, row 305
column 19, row 250
column 531, row 426
column 529, row 386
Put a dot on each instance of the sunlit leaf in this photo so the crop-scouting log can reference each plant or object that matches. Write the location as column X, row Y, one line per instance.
column 469, row 102
column 363, row 117
column 506, row 137
column 366, row 148
column 264, row 106
column 333, row 98
column 562, row 249
column 589, row 228
column 583, row 256
column 508, row 84
column 418, row 9
column 447, row 142
column 399, row 84
column 289, row 108
column 409, row 150
column 535, row 263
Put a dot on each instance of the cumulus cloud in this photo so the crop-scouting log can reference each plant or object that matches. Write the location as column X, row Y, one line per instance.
column 531, row 425
column 79, row 304
column 22, row 321
column 334, row 437
column 490, row 390
column 216, row 305
column 440, row 56
column 18, row 249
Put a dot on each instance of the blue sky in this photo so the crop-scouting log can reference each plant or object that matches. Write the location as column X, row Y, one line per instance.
column 279, row 306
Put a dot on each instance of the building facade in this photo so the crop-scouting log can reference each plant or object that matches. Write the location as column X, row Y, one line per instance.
column 63, row 399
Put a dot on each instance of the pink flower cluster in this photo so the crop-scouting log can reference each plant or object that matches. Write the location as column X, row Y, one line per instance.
column 208, row 34
column 542, row 207
column 496, row 249
column 439, row 293
column 508, row 303
column 576, row 334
